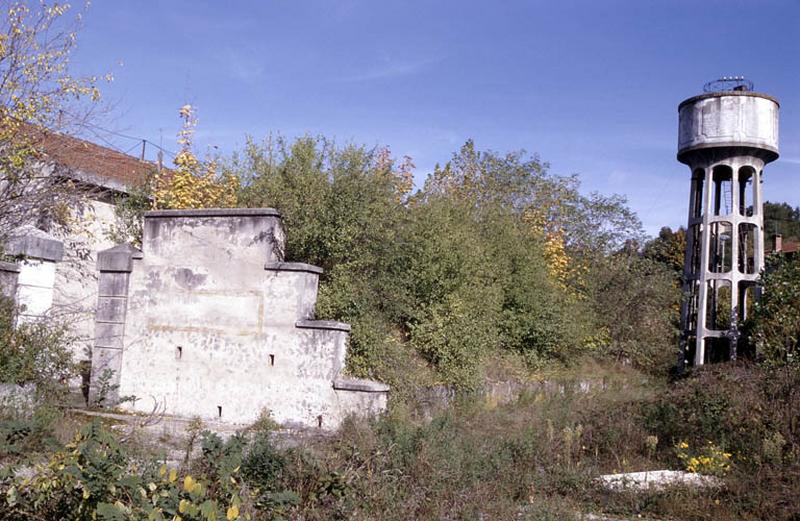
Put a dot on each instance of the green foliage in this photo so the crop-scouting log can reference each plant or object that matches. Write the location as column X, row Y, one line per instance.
column 534, row 458
column 743, row 410
column 781, row 218
column 129, row 212
column 457, row 271
column 341, row 209
column 262, row 468
column 668, row 249
column 636, row 302
column 35, row 353
column 24, row 432
column 94, row 477
column 774, row 330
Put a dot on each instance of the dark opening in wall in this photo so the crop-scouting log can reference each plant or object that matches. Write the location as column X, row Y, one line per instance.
column 219, row 411
column 746, row 190
column 718, row 305
column 271, row 360
column 178, row 352
column 720, row 255
column 717, row 349
column 319, row 421
column 698, row 178
column 722, row 190
column 85, row 367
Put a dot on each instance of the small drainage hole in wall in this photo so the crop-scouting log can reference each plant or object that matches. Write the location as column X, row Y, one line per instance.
column 271, row 360
column 319, row 421
column 219, row 411
column 178, row 352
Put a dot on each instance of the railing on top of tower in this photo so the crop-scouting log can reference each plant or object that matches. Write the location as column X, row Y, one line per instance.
column 729, row 84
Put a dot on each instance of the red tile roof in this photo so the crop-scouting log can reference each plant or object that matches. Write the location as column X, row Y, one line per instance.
column 85, row 157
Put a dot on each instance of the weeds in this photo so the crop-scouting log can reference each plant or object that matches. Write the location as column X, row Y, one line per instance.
column 535, row 458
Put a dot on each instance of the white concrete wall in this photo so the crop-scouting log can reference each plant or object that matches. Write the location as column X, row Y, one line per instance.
column 210, row 332
column 35, row 289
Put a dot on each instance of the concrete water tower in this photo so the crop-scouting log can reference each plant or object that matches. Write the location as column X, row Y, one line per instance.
column 725, row 136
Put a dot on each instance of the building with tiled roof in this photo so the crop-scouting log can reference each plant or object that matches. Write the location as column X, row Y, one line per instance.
column 89, row 162
column 57, row 273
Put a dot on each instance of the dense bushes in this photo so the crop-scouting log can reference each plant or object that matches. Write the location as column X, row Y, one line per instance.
column 636, row 302
column 774, row 329
column 491, row 256
column 36, row 353
column 35, row 367
column 96, row 476
column 749, row 412
column 535, row 458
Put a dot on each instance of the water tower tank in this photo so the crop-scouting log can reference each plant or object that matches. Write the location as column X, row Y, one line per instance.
column 725, row 136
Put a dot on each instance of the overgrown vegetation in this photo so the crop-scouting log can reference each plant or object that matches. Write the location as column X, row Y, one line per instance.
column 489, row 272
column 494, row 256
column 496, row 269
column 535, row 458
column 774, row 331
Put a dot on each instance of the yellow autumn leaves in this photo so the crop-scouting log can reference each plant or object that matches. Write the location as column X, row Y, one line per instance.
column 193, row 183
column 560, row 265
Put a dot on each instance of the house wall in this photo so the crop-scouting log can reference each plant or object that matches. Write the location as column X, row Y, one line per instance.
column 214, row 324
column 76, row 277
column 33, row 288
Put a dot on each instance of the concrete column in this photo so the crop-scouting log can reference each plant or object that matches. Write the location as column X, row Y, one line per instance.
column 702, row 290
column 758, row 213
column 40, row 252
column 9, row 273
column 735, row 274
column 115, row 266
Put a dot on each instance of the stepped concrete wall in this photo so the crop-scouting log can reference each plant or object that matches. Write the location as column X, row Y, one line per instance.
column 207, row 320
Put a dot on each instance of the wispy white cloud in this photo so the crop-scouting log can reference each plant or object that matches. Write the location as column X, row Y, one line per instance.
column 391, row 70
column 791, row 160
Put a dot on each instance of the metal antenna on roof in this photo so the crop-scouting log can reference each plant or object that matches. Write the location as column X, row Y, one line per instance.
column 144, row 144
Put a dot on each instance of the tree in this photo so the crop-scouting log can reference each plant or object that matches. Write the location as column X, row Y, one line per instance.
column 193, row 183
column 668, row 249
column 38, row 94
column 774, row 329
column 343, row 209
column 485, row 260
column 635, row 302
column 780, row 218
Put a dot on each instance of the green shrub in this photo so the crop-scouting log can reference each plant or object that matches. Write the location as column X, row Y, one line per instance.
column 774, row 329
column 36, row 353
column 458, row 270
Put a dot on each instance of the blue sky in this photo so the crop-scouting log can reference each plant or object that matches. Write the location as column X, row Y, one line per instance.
column 590, row 86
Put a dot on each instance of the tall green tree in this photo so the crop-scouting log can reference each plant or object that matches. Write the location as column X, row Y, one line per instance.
column 669, row 249
column 451, row 275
